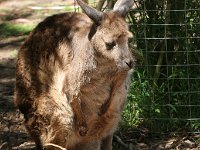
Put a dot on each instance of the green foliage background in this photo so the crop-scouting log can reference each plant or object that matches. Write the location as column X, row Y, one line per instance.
column 165, row 90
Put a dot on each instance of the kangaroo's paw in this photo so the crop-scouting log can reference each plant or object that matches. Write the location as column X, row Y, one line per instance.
column 82, row 128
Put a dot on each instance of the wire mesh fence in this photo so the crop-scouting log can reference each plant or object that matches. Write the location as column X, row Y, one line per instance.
column 165, row 91
column 167, row 38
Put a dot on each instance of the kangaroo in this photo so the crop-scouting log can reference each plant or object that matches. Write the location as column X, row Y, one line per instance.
column 72, row 78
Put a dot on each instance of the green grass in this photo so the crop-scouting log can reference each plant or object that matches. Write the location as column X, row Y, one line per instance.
column 13, row 53
column 69, row 8
column 8, row 29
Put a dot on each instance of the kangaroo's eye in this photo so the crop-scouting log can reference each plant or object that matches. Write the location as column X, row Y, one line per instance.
column 110, row 45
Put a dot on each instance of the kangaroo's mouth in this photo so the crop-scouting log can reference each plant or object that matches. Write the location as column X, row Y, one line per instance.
column 125, row 66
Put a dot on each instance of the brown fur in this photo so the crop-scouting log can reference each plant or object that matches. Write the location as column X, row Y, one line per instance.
column 69, row 87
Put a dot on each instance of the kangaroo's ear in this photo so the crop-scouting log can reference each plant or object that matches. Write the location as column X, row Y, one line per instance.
column 123, row 7
column 92, row 13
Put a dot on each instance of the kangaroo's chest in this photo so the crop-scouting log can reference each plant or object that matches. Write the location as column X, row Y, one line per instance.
column 95, row 93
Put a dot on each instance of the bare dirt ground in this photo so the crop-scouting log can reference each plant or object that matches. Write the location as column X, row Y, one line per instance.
column 12, row 132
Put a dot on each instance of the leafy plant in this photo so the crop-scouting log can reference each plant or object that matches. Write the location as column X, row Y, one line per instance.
column 164, row 94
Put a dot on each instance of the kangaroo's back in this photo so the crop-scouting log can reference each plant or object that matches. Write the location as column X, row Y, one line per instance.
column 47, row 50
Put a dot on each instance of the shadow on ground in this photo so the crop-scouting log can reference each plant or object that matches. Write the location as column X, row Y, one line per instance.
column 12, row 132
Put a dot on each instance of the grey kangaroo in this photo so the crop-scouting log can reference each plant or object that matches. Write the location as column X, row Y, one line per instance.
column 72, row 78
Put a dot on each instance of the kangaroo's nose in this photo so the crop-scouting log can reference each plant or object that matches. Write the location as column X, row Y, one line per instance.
column 130, row 63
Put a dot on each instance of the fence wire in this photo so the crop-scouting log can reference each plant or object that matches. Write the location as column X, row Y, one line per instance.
column 165, row 92
column 179, row 107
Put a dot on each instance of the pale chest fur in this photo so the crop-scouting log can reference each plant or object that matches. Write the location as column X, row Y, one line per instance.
column 93, row 88
column 94, row 94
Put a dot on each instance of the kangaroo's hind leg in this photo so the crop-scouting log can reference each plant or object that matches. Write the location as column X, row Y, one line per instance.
column 106, row 143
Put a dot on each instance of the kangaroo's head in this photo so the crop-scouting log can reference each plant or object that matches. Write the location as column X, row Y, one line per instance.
column 109, row 34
